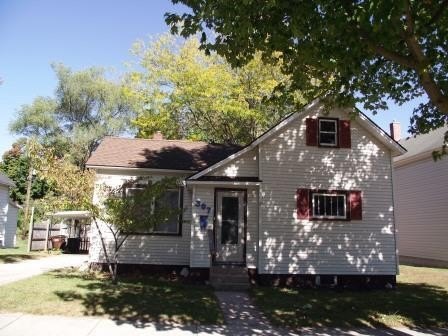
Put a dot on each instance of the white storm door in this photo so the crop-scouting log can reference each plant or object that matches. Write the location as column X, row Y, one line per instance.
column 230, row 226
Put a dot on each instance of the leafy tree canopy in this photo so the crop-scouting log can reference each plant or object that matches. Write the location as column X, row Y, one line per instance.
column 86, row 107
column 16, row 164
column 352, row 51
column 188, row 94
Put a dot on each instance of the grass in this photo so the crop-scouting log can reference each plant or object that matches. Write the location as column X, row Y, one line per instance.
column 420, row 300
column 138, row 299
column 19, row 253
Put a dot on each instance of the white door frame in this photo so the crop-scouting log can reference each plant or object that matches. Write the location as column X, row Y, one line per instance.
column 236, row 252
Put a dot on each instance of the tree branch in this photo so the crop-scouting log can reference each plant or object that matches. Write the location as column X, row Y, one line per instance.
column 438, row 12
column 393, row 56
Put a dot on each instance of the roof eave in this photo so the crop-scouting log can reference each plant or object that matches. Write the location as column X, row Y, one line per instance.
column 153, row 170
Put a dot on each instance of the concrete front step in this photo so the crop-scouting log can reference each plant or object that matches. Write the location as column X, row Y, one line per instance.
column 229, row 277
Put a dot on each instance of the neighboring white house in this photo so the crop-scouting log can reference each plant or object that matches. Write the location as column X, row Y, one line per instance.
column 8, row 214
column 310, row 197
column 420, row 189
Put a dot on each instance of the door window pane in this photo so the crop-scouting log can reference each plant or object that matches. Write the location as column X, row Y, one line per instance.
column 229, row 228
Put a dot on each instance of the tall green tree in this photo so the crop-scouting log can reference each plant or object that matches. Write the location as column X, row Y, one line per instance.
column 188, row 94
column 16, row 164
column 86, row 107
column 351, row 51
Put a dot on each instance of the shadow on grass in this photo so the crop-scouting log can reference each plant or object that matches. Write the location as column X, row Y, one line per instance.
column 411, row 305
column 14, row 258
column 142, row 300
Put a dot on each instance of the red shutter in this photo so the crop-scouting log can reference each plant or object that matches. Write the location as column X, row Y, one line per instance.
column 311, row 132
column 345, row 139
column 303, row 208
column 355, row 201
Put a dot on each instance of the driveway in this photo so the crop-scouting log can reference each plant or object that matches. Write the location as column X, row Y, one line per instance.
column 25, row 269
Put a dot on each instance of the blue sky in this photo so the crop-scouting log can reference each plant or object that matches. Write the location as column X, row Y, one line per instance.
column 80, row 34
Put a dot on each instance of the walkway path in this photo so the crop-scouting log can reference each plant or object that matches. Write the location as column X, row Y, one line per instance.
column 28, row 268
column 243, row 318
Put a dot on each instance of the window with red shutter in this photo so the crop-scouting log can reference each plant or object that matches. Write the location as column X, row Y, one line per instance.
column 345, row 139
column 355, row 201
column 311, row 132
column 303, row 206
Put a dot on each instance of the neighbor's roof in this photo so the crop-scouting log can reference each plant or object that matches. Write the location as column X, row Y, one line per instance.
column 6, row 181
column 422, row 144
column 158, row 154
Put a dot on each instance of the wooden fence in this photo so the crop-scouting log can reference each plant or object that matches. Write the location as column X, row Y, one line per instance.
column 38, row 236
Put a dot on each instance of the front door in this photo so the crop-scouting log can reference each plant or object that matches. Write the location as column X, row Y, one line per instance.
column 230, row 226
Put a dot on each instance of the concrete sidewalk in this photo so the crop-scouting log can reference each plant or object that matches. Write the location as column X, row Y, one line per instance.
column 28, row 268
column 34, row 325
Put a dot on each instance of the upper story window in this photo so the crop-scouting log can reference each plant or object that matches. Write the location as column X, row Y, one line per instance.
column 328, row 132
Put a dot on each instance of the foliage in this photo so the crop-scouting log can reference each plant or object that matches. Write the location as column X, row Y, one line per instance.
column 71, row 187
column 86, row 107
column 122, row 214
column 351, row 51
column 15, row 164
column 189, row 94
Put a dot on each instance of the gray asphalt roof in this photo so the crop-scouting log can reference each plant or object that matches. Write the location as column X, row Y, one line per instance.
column 422, row 143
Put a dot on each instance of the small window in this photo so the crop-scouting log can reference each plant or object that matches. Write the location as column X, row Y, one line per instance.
column 328, row 132
column 171, row 198
column 329, row 206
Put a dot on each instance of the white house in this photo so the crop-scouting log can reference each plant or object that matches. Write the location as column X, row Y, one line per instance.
column 420, row 186
column 309, row 199
column 8, row 214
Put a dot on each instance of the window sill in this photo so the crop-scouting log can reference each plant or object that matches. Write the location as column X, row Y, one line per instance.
column 328, row 219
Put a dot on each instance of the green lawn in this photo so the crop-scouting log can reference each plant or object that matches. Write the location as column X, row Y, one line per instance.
column 19, row 253
column 142, row 299
column 421, row 299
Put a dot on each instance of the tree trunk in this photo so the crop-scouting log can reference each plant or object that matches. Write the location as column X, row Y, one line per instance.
column 103, row 244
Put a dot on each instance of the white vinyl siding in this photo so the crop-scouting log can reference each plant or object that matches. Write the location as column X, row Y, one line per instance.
column 143, row 249
column 3, row 213
column 8, row 219
column 245, row 165
column 290, row 245
column 421, row 209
